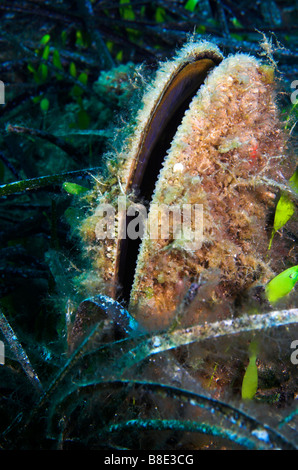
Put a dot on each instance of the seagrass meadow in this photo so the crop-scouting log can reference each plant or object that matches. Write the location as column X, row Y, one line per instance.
column 148, row 343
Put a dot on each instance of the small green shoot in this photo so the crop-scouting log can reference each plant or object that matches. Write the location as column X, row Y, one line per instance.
column 57, row 63
column 74, row 189
column 126, row 11
column 73, row 69
column 127, row 14
column 200, row 29
column 83, row 40
column 79, row 39
column 191, row 5
column 236, row 23
column 212, row 376
column 250, row 379
column 64, row 37
column 109, row 45
column 282, row 284
column 83, row 78
column 285, row 208
column 46, row 52
column 42, row 73
column 160, row 15
column 293, row 113
column 45, row 39
column 119, row 56
column 44, row 105
column 83, row 119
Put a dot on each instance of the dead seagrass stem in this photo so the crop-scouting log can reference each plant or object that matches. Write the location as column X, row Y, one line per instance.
column 246, row 323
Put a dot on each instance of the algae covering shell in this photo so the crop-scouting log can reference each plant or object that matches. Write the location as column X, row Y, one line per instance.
column 208, row 135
